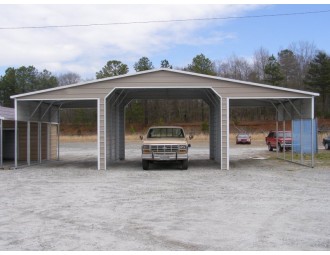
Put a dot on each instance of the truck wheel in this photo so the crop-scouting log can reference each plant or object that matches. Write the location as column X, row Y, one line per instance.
column 145, row 164
column 184, row 164
column 280, row 148
column 326, row 146
column 270, row 148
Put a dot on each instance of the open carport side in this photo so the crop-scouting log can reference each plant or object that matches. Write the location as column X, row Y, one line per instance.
column 111, row 95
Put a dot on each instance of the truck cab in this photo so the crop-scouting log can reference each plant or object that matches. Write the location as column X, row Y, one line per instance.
column 163, row 144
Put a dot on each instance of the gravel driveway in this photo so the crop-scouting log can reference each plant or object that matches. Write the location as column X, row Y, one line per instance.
column 257, row 205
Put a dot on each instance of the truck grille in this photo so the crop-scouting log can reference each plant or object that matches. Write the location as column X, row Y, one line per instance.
column 164, row 148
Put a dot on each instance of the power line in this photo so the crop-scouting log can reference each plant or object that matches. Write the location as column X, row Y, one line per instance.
column 165, row 21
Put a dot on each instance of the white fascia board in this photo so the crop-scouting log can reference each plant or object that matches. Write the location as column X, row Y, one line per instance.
column 52, row 99
column 248, row 98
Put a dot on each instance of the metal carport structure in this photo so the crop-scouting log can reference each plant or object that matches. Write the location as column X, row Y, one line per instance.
column 111, row 95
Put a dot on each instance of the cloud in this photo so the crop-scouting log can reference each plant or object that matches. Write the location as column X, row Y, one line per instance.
column 86, row 49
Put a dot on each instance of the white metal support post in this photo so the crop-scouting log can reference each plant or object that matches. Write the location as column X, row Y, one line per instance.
column 39, row 143
column 312, row 120
column 58, row 132
column 28, row 143
column 1, row 145
column 16, row 136
column 48, row 141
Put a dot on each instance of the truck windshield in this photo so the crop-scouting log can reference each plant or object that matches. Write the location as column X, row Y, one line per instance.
column 287, row 134
column 165, row 133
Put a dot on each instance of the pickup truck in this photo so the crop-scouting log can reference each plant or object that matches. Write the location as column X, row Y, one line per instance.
column 326, row 143
column 165, row 144
column 279, row 140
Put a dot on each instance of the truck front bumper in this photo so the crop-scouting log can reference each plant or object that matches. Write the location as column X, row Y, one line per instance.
column 165, row 156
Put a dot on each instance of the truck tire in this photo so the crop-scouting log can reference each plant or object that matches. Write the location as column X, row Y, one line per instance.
column 184, row 164
column 270, row 148
column 145, row 164
column 280, row 147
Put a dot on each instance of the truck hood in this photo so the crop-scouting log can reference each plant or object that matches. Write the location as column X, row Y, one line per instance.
column 165, row 141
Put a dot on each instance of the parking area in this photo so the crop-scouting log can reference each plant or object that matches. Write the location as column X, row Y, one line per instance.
column 260, row 204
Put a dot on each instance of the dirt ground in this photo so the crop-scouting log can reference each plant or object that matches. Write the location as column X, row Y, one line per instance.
column 260, row 204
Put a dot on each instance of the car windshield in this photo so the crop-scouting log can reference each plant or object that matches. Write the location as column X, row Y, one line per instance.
column 287, row 134
column 243, row 136
column 165, row 133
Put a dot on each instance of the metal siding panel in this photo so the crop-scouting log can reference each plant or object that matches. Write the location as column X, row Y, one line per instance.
column 53, row 142
column 224, row 133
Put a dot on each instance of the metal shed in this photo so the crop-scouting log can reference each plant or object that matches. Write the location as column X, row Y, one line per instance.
column 111, row 95
column 7, row 134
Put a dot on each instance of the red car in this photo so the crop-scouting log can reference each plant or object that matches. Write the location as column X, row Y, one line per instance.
column 243, row 139
column 279, row 140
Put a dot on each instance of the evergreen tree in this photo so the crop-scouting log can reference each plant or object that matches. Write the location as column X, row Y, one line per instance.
column 318, row 78
column 273, row 73
column 165, row 64
column 201, row 64
column 24, row 79
column 143, row 64
column 112, row 68
column 289, row 68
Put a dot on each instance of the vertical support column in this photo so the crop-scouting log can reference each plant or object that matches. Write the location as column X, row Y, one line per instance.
column 301, row 142
column 16, row 136
column 117, row 132
column 225, row 133
column 1, row 145
column 212, row 132
column 276, row 136
column 48, row 141
column 28, row 143
column 121, row 132
column 39, row 143
column 58, row 142
column 101, row 165
column 284, row 139
column 312, row 142
column 216, row 133
column 107, row 131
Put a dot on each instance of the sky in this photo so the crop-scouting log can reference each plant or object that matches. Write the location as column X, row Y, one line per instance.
column 86, row 49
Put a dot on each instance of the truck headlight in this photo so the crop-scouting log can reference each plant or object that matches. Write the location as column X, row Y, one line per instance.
column 182, row 147
column 145, row 148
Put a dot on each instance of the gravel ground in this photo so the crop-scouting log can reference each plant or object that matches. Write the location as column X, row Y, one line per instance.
column 257, row 205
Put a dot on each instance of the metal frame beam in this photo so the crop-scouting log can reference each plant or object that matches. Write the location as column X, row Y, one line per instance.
column 1, row 143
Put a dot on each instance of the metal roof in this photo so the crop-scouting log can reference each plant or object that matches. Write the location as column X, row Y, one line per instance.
column 168, row 70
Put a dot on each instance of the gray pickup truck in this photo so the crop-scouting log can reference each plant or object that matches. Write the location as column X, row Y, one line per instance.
column 164, row 144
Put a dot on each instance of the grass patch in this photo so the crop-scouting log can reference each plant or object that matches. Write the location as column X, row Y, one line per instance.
column 77, row 138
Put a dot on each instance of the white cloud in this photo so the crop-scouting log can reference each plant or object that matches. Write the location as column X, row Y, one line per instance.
column 86, row 49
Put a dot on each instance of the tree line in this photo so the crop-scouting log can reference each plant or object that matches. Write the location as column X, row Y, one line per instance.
column 299, row 66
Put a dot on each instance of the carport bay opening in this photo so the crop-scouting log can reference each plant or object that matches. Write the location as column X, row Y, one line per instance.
column 118, row 100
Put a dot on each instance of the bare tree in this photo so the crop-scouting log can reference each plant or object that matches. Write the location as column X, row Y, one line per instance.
column 68, row 78
column 304, row 52
column 260, row 60
column 235, row 68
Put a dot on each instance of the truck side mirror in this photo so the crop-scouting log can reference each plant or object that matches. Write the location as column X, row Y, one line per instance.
column 141, row 137
column 191, row 137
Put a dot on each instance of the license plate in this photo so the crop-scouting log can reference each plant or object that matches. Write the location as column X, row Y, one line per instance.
column 164, row 157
